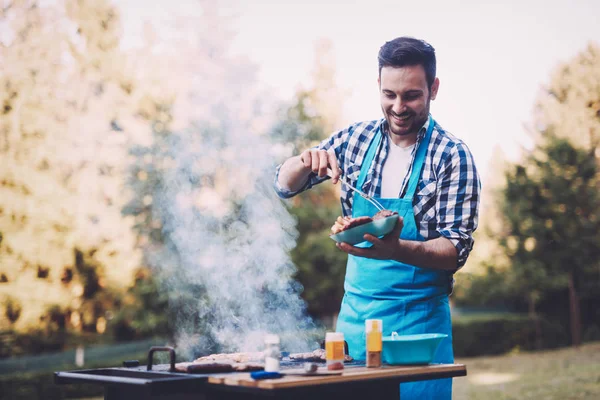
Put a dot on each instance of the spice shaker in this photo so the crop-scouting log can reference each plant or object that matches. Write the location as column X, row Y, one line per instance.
column 272, row 353
column 373, row 329
column 334, row 350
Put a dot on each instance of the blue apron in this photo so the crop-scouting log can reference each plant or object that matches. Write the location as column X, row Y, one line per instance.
column 409, row 300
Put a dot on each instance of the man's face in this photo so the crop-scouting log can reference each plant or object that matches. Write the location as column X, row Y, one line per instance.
column 405, row 99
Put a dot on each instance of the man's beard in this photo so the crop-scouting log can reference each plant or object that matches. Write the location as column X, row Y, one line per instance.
column 418, row 120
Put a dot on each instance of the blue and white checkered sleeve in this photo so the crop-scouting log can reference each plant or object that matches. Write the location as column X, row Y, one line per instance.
column 332, row 142
column 458, row 200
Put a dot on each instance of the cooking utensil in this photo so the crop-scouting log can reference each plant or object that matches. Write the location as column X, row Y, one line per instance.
column 360, row 192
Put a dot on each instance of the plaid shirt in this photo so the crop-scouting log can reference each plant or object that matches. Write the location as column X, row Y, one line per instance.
column 446, row 201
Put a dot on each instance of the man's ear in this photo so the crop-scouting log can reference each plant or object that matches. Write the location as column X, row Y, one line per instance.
column 434, row 89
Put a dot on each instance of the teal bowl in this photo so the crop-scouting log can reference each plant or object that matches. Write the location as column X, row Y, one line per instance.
column 379, row 227
column 410, row 349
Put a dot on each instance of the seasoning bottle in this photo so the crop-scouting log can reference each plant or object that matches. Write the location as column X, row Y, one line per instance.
column 272, row 353
column 334, row 350
column 373, row 333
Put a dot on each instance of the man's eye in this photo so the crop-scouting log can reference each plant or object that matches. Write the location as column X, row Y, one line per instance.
column 390, row 95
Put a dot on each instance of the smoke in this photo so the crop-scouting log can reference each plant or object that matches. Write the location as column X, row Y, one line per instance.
column 228, row 238
column 223, row 251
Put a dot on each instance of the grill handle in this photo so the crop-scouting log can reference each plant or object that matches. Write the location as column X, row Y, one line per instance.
column 165, row 348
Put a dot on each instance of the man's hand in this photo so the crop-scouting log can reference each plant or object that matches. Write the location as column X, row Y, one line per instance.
column 386, row 248
column 318, row 161
column 340, row 225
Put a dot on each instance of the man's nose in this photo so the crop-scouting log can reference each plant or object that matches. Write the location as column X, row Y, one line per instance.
column 398, row 105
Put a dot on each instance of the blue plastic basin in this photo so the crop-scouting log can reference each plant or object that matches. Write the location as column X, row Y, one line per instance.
column 379, row 227
column 410, row 349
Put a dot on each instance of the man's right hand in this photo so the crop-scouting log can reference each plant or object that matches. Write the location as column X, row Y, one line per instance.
column 340, row 224
column 318, row 161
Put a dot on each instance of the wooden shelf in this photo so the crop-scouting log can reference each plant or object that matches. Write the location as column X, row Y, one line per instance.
column 350, row 374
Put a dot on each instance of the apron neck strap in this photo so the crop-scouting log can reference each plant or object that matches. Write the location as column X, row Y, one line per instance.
column 366, row 164
column 417, row 164
column 419, row 161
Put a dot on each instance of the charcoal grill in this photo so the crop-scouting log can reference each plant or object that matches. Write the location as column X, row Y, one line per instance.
column 162, row 381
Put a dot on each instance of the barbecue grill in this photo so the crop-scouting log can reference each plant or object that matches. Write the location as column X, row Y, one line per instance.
column 162, row 381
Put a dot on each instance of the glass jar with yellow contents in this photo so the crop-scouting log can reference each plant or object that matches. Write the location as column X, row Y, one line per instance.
column 334, row 350
column 373, row 333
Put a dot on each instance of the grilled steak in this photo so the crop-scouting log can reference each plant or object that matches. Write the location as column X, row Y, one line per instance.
column 233, row 357
column 383, row 214
column 207, row 366
column 344, row 223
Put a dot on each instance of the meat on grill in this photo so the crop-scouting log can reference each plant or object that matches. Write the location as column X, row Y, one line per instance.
column 223, row 365
column 344, row 223
column 234, row 357
column 315, row 356
column 241, row 362
column 224, row 362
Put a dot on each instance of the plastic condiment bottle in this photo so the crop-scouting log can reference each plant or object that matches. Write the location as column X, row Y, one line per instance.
column 334, row 350
column 373, row 333
column 272, row 353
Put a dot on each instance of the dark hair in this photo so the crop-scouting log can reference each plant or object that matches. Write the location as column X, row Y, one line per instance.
column 408, row 51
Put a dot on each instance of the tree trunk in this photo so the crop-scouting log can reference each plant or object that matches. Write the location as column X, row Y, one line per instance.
column 531, row 299
column 574, row 312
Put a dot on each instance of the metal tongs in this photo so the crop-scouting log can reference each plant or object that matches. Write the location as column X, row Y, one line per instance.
column 360, row 192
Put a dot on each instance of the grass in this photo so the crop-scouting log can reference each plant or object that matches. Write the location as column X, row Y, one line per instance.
column 571, row 373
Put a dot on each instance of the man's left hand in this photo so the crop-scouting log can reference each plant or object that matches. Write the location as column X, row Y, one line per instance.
column 386, row 248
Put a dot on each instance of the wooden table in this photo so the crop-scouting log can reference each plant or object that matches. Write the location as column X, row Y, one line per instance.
column 354, row 383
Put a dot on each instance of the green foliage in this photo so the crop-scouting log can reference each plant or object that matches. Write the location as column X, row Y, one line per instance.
column 499, row 334
column 549, row 210
column 321, row 267
column 300, row 124
column 143, row 312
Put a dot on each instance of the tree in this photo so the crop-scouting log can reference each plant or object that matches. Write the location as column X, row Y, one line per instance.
column 69, row 101
column 569, row 106
column 552, row 223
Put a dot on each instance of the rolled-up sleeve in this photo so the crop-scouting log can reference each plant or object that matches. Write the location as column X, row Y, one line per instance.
column 286, row 193
column 458, row 201
column 333, row 142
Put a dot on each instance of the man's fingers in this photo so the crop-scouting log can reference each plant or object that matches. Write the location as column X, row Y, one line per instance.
column 333, row 164
column 306, row 159
column 314, row 154
column 323, row 161
column 399, row 225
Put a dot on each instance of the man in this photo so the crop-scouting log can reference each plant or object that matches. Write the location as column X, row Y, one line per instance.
column 411, row 165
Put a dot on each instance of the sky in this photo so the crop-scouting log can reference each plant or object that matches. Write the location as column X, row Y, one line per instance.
column 493, row 56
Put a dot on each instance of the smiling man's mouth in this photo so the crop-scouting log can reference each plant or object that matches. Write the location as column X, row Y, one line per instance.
column 401, row 117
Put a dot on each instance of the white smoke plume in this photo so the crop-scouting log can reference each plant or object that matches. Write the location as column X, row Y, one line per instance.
column 225, row 261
